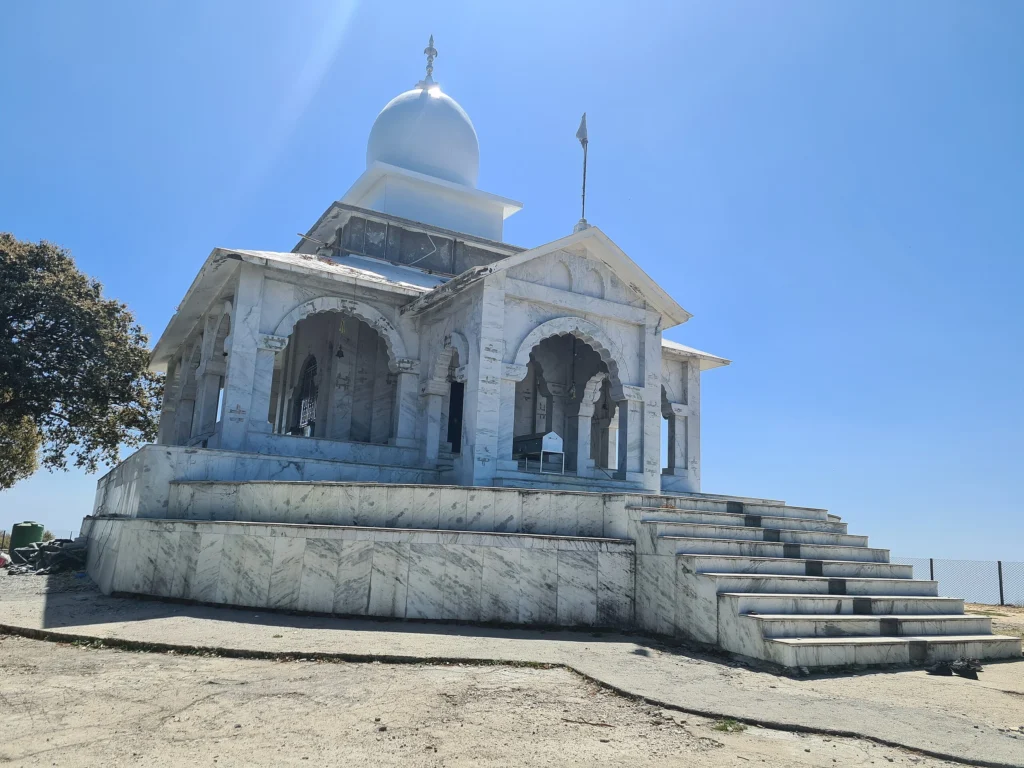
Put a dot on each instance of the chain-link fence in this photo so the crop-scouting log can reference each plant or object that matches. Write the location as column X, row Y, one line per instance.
column 995, row 582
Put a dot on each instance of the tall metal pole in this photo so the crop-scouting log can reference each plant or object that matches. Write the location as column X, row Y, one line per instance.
column 583, row 212
column 999, row 565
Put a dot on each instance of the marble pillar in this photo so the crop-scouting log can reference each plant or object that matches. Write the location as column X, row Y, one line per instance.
column 651, row 448
column 241, row 362
column 406, row 407
column 263, row 381
column 208, row 377
column 169, row 403
column 510, row 376
column 432, row 400
column 631, row 444
column 483, row 402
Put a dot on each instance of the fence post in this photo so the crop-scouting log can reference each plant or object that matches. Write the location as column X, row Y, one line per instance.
column 999, row 565
column 931, row 569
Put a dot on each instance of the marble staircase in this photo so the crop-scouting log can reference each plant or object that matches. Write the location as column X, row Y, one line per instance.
column 790, row 585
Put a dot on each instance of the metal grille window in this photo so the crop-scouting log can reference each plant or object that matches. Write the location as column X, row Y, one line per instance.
column 307, row 393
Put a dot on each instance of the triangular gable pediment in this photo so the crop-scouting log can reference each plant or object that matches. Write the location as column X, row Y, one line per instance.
column 595, row 245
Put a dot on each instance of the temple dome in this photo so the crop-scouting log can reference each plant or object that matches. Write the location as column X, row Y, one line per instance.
column 425, row 130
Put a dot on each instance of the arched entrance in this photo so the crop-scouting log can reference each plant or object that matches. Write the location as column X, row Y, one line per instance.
column 567, row 390
column 333, row 380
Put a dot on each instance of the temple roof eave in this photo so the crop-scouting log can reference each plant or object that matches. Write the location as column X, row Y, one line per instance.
column 222, row 263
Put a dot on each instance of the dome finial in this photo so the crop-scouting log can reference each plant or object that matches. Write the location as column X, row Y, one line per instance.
column 431, row 52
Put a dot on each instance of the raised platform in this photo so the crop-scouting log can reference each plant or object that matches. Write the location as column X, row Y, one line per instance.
column 786, row 584
column 369, row 571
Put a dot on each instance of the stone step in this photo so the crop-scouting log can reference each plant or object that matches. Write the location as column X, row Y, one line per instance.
column 794, row 566
column 775, row 625
column 667, row 515
column 819, row 652
column 557, row 482
column 747, row 533
column 687, row 545
column 770, row 604
column 820, row 585
column 735, row 506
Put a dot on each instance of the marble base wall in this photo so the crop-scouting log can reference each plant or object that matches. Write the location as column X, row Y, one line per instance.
column 448, row 508
column 140, row 485
column 487, row 577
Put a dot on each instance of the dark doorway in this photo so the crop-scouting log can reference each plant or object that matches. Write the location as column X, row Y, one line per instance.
column 455, row 416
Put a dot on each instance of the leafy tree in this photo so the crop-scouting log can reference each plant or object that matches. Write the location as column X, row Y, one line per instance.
column 73, row 366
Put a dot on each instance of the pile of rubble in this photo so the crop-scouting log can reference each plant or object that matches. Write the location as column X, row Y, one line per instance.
column 54, row 556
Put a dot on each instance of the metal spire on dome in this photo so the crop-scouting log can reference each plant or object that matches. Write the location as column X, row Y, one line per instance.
column 430, row 52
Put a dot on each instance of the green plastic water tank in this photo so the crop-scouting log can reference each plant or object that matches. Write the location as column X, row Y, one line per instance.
column 23, row 534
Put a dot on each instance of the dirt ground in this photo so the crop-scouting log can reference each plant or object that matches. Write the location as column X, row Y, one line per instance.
column 1006, row 619
column 70, row 705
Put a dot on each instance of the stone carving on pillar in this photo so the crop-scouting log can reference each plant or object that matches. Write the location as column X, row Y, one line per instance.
column 585, row 463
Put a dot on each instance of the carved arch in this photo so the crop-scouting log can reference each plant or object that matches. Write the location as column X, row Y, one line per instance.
column 591, row 394
column 585, row 331
column 372, row 317
column 454, row 344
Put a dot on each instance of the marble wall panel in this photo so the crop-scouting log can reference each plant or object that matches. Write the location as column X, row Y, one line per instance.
column 319, row 575
column 427, row 505
column 166, row 565
column 206, row 583
column 507, row 513
column 589, row 515
column 373, row 505
column 352, row 592
column 577, row 587
column 500, row 584
column 401, row 510
column 427, row 563
column 286, row 572
column 535, row 512
column 189, row 544
column 563, row 514
column 615, row 584
column 462, row 582
column 246, row 564
column 348, row 504
column 480, row 509
column 538, row 586
column 452, row 515
column 389, row 579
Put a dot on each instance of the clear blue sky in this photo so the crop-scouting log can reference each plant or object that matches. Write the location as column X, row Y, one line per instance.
column 834, row 189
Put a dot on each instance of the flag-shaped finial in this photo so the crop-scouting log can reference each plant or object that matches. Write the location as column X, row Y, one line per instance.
column 581, row 134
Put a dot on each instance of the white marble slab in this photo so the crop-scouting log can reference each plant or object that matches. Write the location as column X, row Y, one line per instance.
column 500, row 584
column 427, row 564
column 286, row 572
column 538, row 590
column 462, row 582
column 389, row 579
column 319, row 575
column 352, row 590
column 577, row 588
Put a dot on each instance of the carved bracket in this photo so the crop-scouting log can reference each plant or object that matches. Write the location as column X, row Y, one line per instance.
column 272, row 342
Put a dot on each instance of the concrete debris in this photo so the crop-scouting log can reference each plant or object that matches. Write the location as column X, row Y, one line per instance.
column 47, row 557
